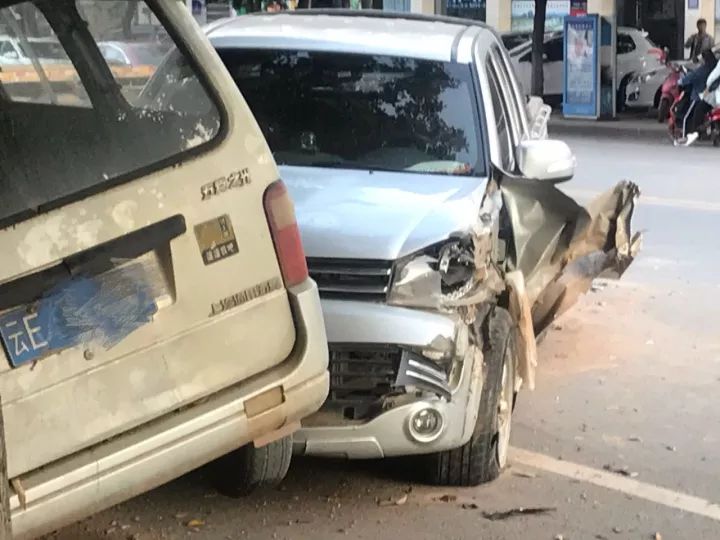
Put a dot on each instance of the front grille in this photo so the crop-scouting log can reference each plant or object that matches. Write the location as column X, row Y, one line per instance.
column 352, row 279
column 363, row 376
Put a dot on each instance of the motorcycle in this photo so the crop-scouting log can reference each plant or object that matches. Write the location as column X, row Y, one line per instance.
column 670, row 90
column 710, row 129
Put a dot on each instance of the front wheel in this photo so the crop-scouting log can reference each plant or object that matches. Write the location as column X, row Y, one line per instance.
column 484, row 456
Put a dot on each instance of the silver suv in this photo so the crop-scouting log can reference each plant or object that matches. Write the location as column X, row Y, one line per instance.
column 432, row 223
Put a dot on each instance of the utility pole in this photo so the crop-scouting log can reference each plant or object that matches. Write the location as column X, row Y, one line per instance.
column 5, row 524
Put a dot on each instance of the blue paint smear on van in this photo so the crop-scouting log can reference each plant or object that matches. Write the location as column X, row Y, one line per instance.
column 101, row 310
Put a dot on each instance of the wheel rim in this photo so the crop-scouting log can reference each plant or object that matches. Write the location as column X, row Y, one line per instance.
column 505, row 414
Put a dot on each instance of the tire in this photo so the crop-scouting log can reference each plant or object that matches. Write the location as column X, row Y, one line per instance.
column 621, row 101
column 484, row 456
column 664, row 109
column 249, row 469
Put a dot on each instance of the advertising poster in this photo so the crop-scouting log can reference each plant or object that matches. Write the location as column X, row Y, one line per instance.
column 578, row 8
column 581, row 67
column 523, row 11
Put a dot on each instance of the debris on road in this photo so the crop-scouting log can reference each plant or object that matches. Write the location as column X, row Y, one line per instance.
column 622, row 471
column 195, row 524
column 515, row 512
column 671, row 448
column 524, row 474
column 635, row 439
column 657, row 536
column 470, row 506
column 447, row 498
column 394, row 502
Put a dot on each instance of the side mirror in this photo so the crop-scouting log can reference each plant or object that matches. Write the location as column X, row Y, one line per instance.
column 546, row 159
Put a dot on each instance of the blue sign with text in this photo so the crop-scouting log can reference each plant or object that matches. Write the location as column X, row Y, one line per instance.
column 581, row 89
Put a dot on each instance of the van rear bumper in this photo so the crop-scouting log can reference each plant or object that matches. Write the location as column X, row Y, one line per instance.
column 159, row 451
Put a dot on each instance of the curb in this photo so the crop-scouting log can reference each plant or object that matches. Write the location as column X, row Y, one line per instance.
column 609, row 130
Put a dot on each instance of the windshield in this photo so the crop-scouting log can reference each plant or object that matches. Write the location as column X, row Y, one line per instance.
column 363, row 112
column 70, row 123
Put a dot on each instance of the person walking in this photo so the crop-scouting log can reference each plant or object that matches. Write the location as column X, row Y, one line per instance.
column 700, row 41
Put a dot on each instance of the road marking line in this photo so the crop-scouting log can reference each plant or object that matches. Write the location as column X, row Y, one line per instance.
column 608, row 480
column 688, row 204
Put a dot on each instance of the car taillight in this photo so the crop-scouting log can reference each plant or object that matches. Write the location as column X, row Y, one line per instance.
column 280, row 213
column 658, row 53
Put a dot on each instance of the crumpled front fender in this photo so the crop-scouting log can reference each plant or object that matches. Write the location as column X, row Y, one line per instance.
column 560, row 246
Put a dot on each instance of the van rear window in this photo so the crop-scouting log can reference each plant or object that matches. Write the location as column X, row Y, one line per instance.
column 72, row 119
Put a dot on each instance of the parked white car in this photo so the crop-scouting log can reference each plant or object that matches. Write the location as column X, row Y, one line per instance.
column 644, row 90
column 636, row 53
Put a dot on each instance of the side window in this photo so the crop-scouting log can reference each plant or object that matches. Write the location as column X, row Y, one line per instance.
column 502, row 120
column 513, row 97
column 625, row 44
column 554, row 50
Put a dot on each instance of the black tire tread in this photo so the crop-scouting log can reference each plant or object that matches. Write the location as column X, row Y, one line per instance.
column 248, row 469
column 476, row 462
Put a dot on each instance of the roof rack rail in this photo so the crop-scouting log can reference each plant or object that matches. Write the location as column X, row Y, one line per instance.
column 379, row 14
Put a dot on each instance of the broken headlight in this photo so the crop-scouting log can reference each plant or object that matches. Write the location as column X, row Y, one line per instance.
column 435, row 276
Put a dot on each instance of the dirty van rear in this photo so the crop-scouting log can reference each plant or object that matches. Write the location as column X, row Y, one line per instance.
column 155, row 306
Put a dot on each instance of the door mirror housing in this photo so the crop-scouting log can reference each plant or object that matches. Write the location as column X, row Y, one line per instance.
column 546, row 159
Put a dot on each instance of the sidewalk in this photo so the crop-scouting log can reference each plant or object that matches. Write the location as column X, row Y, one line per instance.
column 639, row 127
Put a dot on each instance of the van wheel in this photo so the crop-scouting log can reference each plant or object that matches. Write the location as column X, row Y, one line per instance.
column 484, row 456
column 249, row 469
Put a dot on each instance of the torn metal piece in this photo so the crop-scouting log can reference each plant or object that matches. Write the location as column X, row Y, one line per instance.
column 560, row 247
column 521, row 312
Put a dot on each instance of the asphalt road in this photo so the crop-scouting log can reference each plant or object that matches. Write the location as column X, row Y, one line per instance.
column 621, row 440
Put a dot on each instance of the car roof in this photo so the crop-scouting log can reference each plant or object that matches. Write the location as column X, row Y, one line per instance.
column 362, row 32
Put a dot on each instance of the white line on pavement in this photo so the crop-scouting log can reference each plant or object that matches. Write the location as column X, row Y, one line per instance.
column 689, row 204
column 629, row 486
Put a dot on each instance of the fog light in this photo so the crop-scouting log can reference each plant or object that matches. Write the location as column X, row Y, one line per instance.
column 426, row 425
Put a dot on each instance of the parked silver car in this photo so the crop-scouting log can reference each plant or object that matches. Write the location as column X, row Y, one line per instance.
column 432, row 223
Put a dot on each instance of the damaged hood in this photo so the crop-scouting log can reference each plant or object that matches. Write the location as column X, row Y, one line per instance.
column 354, row 214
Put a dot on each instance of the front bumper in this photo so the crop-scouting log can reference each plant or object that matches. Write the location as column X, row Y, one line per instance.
column 362, row 324
column 157, row 452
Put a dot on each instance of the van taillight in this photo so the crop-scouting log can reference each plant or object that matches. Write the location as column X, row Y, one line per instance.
column 280, row 213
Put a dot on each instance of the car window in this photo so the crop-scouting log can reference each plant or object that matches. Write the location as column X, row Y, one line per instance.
column 553, row 51
column 74, row 123
column 625, row 44
column 330, row 109
column 512, row 96
column 502, row 120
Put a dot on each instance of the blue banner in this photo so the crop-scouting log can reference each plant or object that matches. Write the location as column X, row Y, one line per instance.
column 581, row 89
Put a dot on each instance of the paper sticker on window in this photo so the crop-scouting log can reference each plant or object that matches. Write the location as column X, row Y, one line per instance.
column 216, row 239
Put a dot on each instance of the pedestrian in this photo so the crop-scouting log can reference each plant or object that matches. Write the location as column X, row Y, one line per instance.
column 700, row 41
column 709, row 98
column 695, row 83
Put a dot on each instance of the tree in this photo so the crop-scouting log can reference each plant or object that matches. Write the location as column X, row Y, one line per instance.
column 537, row 83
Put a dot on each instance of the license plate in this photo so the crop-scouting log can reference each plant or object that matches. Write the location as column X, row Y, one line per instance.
column 102, row 310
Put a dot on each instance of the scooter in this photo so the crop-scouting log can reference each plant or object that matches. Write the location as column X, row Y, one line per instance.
column 670, row 90
column 710, row 129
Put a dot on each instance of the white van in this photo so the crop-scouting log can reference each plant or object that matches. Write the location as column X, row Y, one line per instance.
column 155, row 306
